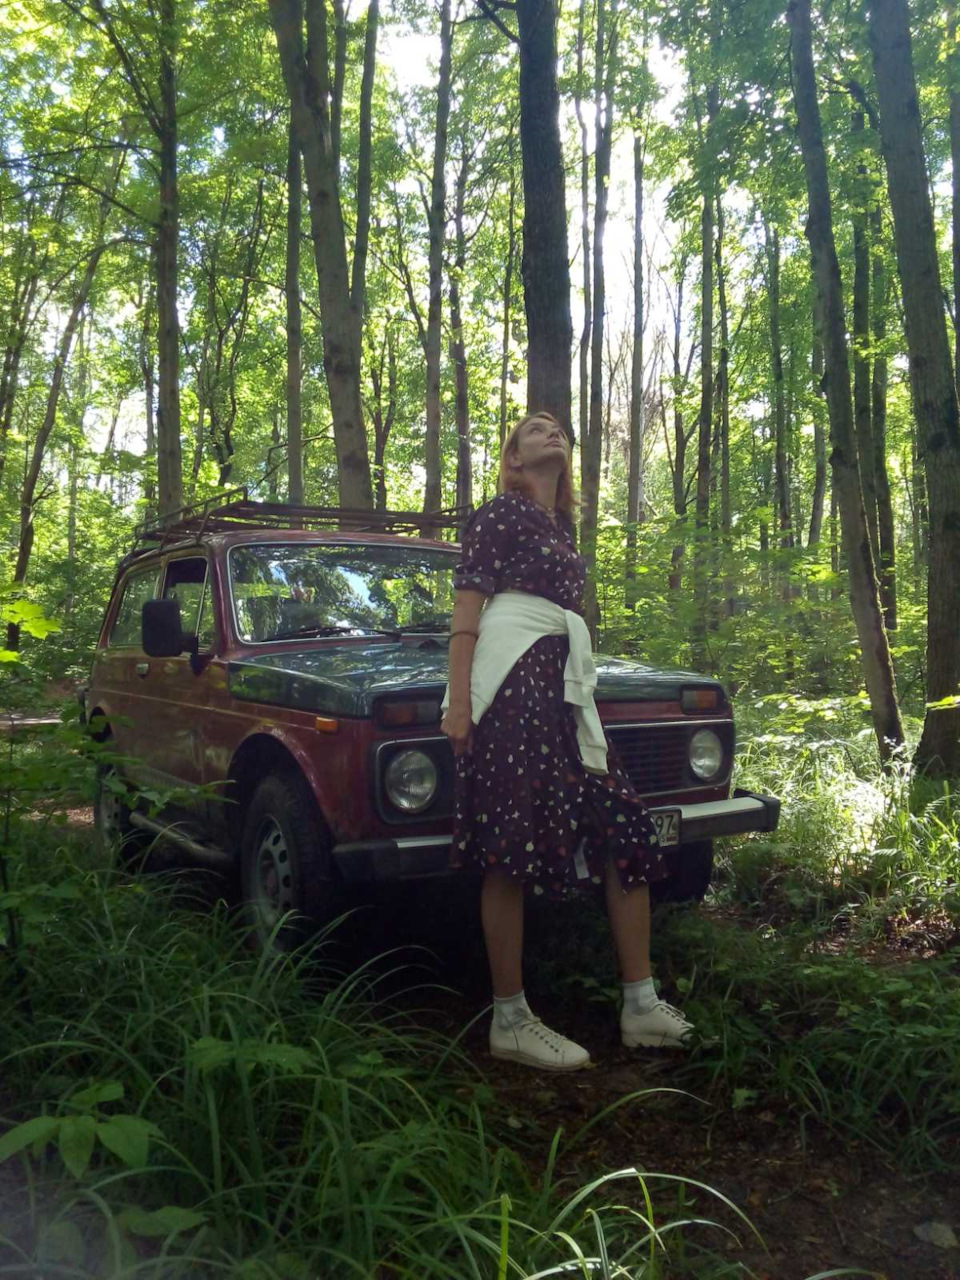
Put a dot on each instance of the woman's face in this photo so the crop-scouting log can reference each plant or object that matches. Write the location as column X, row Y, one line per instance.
column 541, row 443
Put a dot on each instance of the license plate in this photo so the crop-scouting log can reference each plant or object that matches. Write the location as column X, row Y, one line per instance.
column 668, row 826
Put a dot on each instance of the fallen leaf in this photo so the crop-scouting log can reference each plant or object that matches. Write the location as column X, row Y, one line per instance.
column 937, row 1233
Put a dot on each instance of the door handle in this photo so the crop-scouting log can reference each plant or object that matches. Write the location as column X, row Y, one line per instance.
column 142, row 669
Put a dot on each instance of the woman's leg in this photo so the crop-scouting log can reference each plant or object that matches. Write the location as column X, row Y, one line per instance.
column 501, row 910
column 630, row 923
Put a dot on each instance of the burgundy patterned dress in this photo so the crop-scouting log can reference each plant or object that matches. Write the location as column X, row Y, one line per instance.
column 523, row 801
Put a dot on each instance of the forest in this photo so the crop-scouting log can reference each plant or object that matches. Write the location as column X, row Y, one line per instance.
column 328, row 253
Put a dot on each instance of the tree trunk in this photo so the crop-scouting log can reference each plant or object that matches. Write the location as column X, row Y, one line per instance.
column 590, row 480
column 458, row 349
column 583, row 387
column 148, row 374
column 705, row 420
column 358, row 279
column 637, row 423
column 861, row 355
column 294, row 321
column 545, row 265
column 432, row 494
column 680, row 438
column 864, row 593
column 169, row 460
column 885, row 521
column 306, row 75
column 508, row 297
column 723, row 392
column 28, row 496
column 932, row 381
column 781, row 463
column 819, row 439
column 953, row 74
column 383, row 422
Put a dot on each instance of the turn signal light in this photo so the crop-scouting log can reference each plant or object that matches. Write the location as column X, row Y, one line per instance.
column 325, row 724
column 699, row 699
column 406, row 712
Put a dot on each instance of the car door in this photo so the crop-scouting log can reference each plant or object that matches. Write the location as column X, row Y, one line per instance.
column 120, row 667
column 178, row 689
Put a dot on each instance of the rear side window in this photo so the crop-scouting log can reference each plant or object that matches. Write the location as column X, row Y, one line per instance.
column 137, row 590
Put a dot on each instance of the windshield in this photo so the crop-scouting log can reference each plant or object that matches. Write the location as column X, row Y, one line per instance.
column 283, row 590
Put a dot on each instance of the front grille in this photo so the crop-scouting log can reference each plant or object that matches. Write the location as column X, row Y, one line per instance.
column 655, row 756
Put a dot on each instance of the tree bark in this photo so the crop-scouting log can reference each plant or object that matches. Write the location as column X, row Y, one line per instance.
column 583, row 387
column 545, row 264
column 932, row 381
column 508, row 297
column 862, row 394
column 361, row 243
column 169, row 458
column 953, row 75
column 306, row 75
column 819, row 439
column 383, row 422
column 294, row 321
column 637, row 417
column 885, row 521
column 781, row 459
column 705, row 419
column 432, row 499
column 864, row 592
column 28, row 496
column 590, row 481
column 458, row 348
column 723, row 393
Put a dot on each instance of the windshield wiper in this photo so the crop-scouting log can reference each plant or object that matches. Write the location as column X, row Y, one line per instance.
column 335, row 629
column 410, row 628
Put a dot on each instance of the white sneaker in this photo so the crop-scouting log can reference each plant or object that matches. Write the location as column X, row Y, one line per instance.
column 535, row 1045
column 664, row 1027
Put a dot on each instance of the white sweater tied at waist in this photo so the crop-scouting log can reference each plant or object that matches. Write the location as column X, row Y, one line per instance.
column 510, row 624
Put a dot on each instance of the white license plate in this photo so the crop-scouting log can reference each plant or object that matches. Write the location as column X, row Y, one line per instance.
column 668, row 826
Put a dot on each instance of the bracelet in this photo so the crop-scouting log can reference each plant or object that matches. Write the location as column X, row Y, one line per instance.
column 464, row 632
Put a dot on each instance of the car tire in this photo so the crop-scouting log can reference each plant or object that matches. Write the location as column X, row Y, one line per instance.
column 692, row 880
column 285, row 864
column 114, row 831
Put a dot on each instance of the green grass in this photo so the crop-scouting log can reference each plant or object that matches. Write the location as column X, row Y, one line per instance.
column 199, row 1110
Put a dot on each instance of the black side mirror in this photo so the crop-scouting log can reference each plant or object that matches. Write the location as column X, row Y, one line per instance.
column 162, row 630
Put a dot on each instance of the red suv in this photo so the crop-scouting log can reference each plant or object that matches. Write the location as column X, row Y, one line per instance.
column 272, row 683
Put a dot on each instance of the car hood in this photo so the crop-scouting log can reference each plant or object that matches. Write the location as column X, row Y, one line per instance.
column 344, row 679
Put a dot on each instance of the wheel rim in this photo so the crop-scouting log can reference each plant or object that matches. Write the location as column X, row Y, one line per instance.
column 274, row 881
column 110, row 809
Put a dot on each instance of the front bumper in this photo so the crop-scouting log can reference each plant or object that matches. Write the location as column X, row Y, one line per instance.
column 423, row 857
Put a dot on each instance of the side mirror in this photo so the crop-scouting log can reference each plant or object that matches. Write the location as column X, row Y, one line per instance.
column 162, row 631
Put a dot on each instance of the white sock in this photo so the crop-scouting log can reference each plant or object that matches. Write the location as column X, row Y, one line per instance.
column 509, row 1011
column 639, row 997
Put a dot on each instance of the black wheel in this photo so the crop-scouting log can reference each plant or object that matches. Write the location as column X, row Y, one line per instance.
column 692, row 880
column 285, row 863
column 115, row 833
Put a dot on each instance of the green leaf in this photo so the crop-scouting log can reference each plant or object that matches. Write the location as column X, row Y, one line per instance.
column 40, row 1130
column 168, row 1221
column 105, row 1091
column 128, row 1137
column 77, row 1136
column 61, row 1242
column 209, row 1052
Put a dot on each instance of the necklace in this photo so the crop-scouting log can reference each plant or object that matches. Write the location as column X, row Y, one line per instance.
column 550, row 511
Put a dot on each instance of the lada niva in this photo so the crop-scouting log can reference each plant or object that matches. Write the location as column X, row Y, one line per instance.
column 271, row 678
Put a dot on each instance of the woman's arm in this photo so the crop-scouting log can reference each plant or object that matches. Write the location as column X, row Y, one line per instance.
column 458, row 721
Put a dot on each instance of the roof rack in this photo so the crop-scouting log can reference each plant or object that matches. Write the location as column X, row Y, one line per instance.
column 235, row 510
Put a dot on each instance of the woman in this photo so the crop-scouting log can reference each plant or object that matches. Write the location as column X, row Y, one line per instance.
column 537, row 802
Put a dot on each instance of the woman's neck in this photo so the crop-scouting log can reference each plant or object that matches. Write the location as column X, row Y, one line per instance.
column 542, row 487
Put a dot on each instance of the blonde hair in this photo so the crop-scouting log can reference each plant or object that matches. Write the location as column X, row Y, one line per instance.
column 512, row 480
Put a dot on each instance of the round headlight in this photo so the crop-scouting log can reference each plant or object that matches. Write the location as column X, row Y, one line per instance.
column 410, row 781
column 706, row 754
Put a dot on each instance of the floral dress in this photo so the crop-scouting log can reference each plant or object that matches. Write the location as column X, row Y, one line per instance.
column 523, row 801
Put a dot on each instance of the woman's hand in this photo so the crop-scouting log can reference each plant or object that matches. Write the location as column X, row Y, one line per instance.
column 457, row 724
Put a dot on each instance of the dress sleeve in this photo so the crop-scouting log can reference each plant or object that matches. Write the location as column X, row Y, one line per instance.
column 486, row 549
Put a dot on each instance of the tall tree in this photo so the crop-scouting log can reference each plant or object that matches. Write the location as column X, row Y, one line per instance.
column 306, row 73
column 932, row 380
column 864, row 592
column 437, row 223
column 294, row 324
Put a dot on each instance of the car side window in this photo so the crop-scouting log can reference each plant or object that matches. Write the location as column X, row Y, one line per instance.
column 185, row 581
column 137, row 590
column 207, row 627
